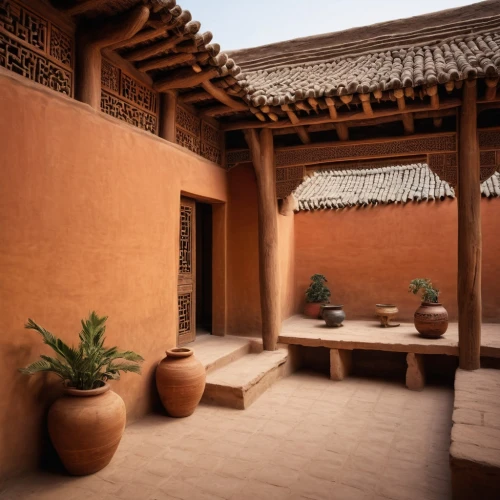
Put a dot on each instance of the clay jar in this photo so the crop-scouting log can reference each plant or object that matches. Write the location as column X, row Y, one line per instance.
column 431, row 320
column 333, row 315
column 180, row 380
column 85, row 428
column 313, row 309
column 386, row 313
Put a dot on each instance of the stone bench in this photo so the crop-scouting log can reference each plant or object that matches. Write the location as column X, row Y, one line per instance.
column 475, row 436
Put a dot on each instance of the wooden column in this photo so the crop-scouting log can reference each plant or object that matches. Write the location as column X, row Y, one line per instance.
column 469, row 233
column 262, row 152
column 88, row 88
column 167, row 116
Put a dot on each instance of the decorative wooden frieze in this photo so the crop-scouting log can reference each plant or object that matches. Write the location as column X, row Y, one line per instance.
column 128, row 99
column 35, row 48
column 324, row 153
column 445, row 166
column 236, row 156
column 287, row 180
column 197, row 135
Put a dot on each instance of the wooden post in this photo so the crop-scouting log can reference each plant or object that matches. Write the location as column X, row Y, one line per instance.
column 262, row 151
column 167, row 116
column 469, row 233
column 88, row 89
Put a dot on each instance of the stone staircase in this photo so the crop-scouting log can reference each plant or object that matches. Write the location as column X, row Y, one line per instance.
column 238, row 369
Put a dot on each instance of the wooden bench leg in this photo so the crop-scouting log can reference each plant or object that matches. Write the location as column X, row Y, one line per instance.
column 415, row 373
column 340, row 363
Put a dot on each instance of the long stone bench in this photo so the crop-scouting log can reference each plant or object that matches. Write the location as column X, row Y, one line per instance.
column 475, row 436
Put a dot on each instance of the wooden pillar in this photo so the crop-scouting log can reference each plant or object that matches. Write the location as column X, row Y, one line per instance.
column 262, row 151
column 167, row 116
column 469, row 233
column 88, row 88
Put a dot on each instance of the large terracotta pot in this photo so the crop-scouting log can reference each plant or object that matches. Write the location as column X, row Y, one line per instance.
column 313, row 309
column 180, row 380
column 85, row 428
column 333, row 315
column 431, row 320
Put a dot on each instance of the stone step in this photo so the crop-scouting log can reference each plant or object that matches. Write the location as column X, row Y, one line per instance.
column 216, row 352
column 241, row 382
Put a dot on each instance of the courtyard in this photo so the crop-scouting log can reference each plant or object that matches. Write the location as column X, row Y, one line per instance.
column 307, row 437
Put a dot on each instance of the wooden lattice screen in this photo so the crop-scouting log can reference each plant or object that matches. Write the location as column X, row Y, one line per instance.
column 35, row 48
column 128, row 99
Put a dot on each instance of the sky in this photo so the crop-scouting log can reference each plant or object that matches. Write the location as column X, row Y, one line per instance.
column 239, row 24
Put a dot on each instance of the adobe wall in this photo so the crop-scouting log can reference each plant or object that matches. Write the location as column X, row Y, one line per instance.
column 369, row 255
column 89, row 217
column 243, row 255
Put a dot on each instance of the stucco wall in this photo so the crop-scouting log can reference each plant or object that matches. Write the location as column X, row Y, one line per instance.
column 369, row 255
column 243, row 255
column 89, row 217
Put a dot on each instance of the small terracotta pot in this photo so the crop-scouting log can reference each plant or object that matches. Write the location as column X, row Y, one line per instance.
column 180, row 380
column 333, row 315
column 431, row 320
column 313, row 309
column 386, row 313
column 86, row 427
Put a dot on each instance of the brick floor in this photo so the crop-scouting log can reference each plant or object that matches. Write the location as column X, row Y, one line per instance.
column 306, row 438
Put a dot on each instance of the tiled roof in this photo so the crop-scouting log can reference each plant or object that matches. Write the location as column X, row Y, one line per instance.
column 332, row 189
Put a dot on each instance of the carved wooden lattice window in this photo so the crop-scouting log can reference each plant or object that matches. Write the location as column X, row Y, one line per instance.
column 197, row 135
column 185, row 254
column 128, row 99
column 33, row 47
column 184, row 303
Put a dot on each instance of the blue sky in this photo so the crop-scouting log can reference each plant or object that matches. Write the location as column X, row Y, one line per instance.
column 238, row 24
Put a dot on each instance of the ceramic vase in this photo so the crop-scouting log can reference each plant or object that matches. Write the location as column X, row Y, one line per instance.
column 333, row 315
column 431, row 320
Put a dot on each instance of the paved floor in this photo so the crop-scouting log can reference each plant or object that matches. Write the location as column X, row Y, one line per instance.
column 306, row 438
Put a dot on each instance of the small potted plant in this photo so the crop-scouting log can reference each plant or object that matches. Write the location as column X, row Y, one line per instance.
column 316, row 295
column 431, row 318
column 87, row 423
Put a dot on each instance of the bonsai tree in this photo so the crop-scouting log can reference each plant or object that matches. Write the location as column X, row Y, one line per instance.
column 318, row 291
column 89, row 365
column 429, row 293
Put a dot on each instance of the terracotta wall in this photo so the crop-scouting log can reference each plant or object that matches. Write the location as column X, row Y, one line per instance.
column 369, row 255
column 243, row 255
column 89, row 213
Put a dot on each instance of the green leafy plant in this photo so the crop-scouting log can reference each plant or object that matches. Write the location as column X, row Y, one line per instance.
column 89, row 365
column 318, row 291
column 429, row 293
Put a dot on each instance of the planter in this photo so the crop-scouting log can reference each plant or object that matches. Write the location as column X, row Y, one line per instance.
column 313, row 309
column 85, row 428
column 180, row 380
column 386, row 313
column 333, row 315
column 431, row 320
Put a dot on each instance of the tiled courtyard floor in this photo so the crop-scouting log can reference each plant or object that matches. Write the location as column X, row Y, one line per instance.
column 306, row 438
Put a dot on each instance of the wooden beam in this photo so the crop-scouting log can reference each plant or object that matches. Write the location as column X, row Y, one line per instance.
column 342, row 131
column 184, row 79
column 195, row 96
column 82, row 7
column 166, row 62
column 303, row 135
column 365, row 103
column 142, row 36
column 433, row 93
column 491, row 88
column 262, row 153
column 218, row 110
column 153, row 50
column 437, row 122
column 290, row 113
column 124, row 26
column 469, row 233
column 331, row 107
column 408, row 123
column 222, row 97
column 343, row 117
column 168, row 103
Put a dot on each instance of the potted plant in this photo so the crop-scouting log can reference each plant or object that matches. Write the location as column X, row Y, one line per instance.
column 316, row 295
column 431, row 318
column 87, row 423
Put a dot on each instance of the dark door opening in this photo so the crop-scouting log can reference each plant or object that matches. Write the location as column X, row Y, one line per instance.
column 203, row 268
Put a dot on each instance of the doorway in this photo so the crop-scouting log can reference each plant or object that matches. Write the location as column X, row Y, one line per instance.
column 194, row 287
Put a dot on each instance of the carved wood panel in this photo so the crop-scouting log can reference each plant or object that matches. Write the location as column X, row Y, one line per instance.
column 35, row 48
column 287, row 180
column 197, row 135
column 186, row 287
column 125, row 98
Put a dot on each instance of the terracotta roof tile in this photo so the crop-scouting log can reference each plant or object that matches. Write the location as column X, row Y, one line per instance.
column 334, row 189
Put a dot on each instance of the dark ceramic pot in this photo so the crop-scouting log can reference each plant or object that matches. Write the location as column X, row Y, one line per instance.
column 431, row 320
column 333, row 315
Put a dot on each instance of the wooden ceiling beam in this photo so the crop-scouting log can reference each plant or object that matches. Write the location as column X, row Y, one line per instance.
column 433, row 93
column 290, row 113
column 342, row 131
column 349, row 116
column 184, row 79
column 366, row 104
column 166, row 62
column 408, row 123
column 491, row 88
column 195, row 96
column 222, row 97
column 82, row 7
column 142, row 36
column 219, row 110
column 330, row 102
column 154, row 50
column 303, row 135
